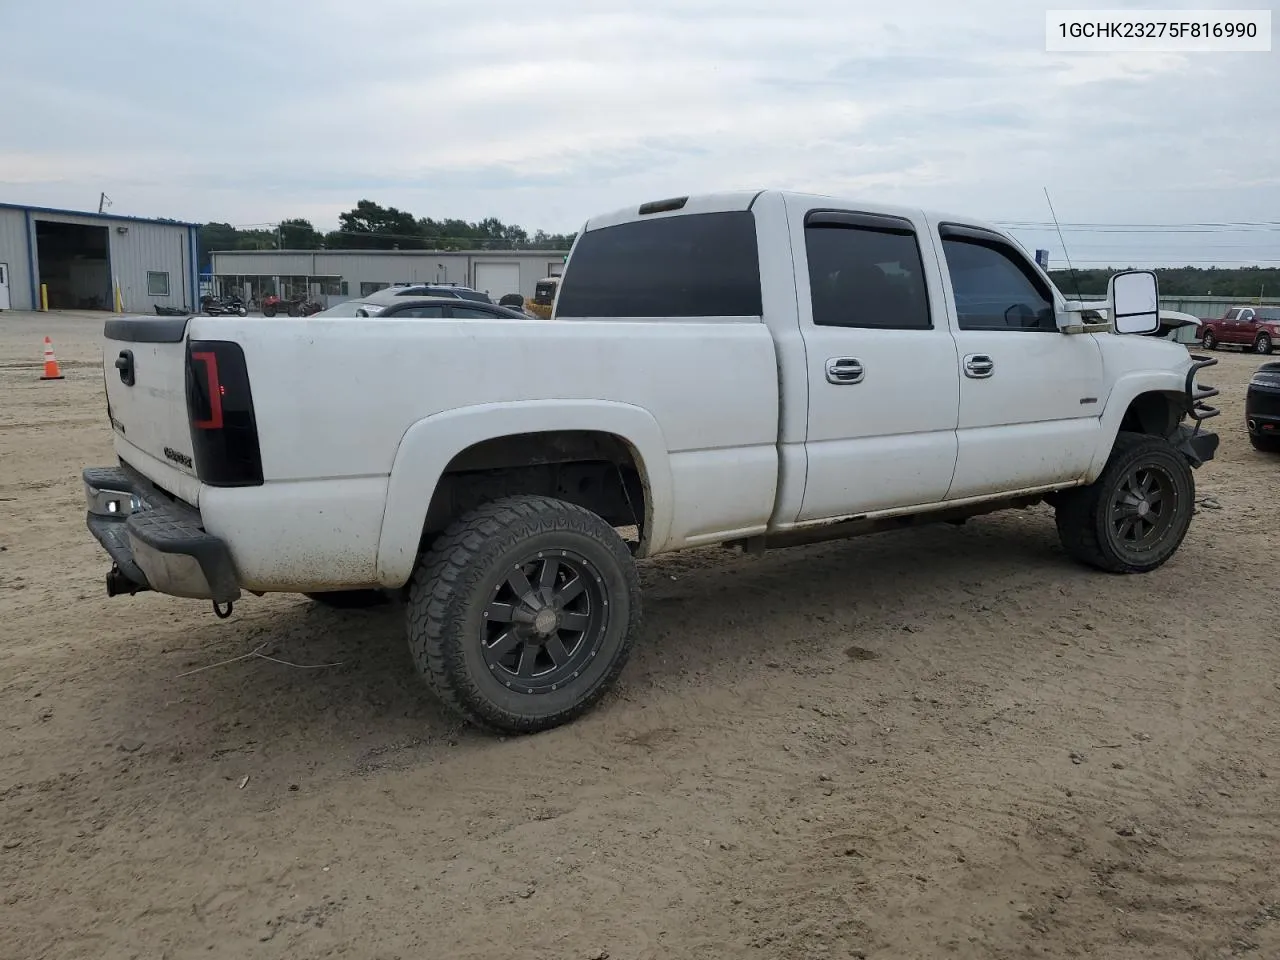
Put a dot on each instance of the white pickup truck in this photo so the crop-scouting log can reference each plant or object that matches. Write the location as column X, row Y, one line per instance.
column 749, row 369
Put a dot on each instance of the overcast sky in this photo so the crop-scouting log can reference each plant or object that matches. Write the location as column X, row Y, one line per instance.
column 544, row 113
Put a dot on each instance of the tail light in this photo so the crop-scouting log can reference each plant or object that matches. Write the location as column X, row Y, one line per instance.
column 224, row 433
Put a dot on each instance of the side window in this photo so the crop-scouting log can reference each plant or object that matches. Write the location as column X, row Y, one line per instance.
column 470, row 313
column 1246, row 316
column 687, row 265
column 1232, row 314
column 866, row 277
column 994, row 290
column 434, row 311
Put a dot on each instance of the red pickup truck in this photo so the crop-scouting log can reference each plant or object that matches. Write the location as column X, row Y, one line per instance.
column 1256, row 327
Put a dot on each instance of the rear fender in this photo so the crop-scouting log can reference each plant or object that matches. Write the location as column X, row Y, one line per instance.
column 429, row 445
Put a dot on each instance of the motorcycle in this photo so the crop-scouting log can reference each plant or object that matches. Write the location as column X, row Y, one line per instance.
column 221, row 306
column 297, row 307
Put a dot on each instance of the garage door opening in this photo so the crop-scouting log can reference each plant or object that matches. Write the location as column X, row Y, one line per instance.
column 498, row 279
column 74, row 264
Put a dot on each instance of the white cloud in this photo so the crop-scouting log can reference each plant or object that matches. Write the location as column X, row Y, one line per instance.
column 249, row 112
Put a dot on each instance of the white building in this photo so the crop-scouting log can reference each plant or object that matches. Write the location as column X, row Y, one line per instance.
column 335, row 275
column 82, row 260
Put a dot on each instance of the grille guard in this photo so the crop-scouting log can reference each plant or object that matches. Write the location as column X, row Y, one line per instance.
column 1197, row 409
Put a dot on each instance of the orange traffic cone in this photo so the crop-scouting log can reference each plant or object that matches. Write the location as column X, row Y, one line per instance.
column 51, row 370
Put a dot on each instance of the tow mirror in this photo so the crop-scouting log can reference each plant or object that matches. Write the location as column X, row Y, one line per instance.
column 1134, row 297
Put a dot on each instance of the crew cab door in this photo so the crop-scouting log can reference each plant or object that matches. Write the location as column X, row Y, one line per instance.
column 1030, row 395
column 1245, row 328
column 882, row 370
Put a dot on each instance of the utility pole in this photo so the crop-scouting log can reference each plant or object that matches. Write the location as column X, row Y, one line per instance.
column 103, row 199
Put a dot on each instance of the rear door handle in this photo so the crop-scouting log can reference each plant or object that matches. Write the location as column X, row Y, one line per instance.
column 978, row 366
column 843, row 370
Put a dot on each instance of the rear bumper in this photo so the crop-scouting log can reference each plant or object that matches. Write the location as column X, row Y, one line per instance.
column 1263, row 424
column 155, row 543
column 1262, row 410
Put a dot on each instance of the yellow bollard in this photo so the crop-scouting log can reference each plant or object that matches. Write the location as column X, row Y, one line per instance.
column 44, row 297
column 119, row 302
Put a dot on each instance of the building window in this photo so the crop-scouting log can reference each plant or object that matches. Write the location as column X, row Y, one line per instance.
column 367, row 288
column 345, row 291
column 157, row 283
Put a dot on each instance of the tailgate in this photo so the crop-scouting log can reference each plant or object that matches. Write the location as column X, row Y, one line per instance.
column 145, row 362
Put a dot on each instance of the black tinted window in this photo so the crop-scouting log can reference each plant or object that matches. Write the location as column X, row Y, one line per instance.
column 693, row 265
column 472, row 312
column 861, row 277
column 419, row 312
column 994, row 290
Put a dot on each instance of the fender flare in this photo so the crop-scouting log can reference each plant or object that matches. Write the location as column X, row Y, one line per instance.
column 428, row 446
column 1125, row 389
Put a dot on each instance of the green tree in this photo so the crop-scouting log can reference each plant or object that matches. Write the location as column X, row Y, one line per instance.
column 299, row 234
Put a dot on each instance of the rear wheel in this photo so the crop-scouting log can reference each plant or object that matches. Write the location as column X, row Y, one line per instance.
column 523, row 613
column 1209, row 341
column 269, row 310
column 1135, row 515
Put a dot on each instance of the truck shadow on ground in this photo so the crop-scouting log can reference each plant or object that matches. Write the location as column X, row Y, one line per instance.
column 341, row 684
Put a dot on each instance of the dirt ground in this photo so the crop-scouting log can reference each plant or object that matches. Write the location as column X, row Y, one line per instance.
column 944, row 743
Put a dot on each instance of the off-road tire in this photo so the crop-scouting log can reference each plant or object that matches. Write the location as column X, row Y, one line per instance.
column 1084, row 514
column 350, row 599
column 1265, row 444
column 454, row 582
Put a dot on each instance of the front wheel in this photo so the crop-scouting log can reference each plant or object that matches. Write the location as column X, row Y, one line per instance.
column 523, row 613
column 1209, row 341
column 1135, row 515
column 269, row 310
column 1262, row 344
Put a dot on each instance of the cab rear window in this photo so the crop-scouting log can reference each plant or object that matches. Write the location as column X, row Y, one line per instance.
column 689, row 265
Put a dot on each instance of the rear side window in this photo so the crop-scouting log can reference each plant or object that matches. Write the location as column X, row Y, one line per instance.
column 866, row 277
column 420, row 313
column 690, row 265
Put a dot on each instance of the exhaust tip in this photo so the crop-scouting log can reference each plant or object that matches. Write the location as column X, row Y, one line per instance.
column 1253, row 424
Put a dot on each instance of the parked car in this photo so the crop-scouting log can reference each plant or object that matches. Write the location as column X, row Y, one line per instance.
column 1262, row 408
column 440, row 308
column 754, row 369
column 1250, row 327
column 379, row 300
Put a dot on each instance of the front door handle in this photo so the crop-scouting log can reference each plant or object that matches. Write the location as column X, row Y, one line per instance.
column 978, row 366
column 843, row 370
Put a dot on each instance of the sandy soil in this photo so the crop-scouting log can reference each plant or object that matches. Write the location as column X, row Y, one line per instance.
column 944, row 743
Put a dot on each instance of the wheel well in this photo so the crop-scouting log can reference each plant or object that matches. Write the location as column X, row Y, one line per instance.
column 596, row 470
column 1157, row 413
